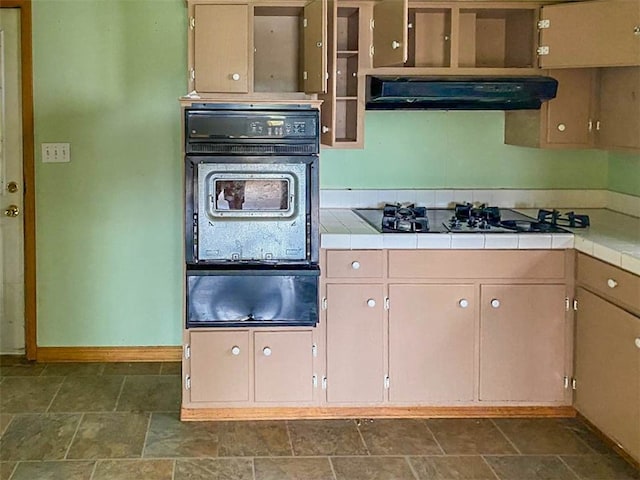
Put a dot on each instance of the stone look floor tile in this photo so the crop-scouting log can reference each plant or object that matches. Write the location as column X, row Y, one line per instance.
column 530, row 467
column 6, row 469
column 5, row 420
column 133, row 470
column 307, row 468
column 398, row 437
column 469, row 436
column 72, row 369
column 259, row 438
column 38, row 436
column 169, row 437
column 171, row 368
column 214, row 469
column 53, row 470
column 88, row 394
column 22, row 370
column 150, row 393
column 452, row 467
column 134, row 368
column 110, row 435
column 372, row 468
column 325, row 437
column 601, row 467
column 28, row 394
column 541, row 436
column 588, row 436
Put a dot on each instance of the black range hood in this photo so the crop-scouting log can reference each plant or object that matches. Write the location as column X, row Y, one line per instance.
column 458, row 93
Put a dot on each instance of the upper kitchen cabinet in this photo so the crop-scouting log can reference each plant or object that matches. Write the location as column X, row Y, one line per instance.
column 460, row 37
column 349, row 38
column 257, row 47
column 618, row 124
column 602, row 33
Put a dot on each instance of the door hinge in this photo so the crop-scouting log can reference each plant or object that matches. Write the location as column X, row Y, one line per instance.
column 314, row 350
column 192, row 22
column 542, row 50
column 575, row 304
column 187, row 351
column 371, row 50
column 545, row 23
column 567, row 381
column 574, row 384
column 305, row 23
column 386, row 303
column 187, row 382
column 324, row 303
column 304, row 75
column 567, row 304
column 314, row 381
column 372, row 23
column 387, row 382
column 324, row 383
column 192, row 74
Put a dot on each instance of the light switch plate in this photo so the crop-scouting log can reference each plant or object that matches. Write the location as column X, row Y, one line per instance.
column 56, row 152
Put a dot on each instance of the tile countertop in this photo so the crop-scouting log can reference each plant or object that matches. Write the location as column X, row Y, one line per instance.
column 612, row 237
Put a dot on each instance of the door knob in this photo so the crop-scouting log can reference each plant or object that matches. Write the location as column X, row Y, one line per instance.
column 235, row 76
column 12, row 187
column 464, row 303
column 235, row 350
column 355, row 265
column 371, row 303
column 395, row 44
column 12, row 211
column 611, row 283
column 495, row 303
column 266, row 351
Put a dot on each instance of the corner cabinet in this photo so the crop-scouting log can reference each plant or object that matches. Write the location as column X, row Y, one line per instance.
column 603, row 33
column 257, row 48
column 607, row 361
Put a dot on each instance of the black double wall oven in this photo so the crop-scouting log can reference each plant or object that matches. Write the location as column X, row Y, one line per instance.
column 251, row 232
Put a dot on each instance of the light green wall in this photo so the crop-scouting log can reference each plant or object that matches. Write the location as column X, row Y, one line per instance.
column 434, row 149
column 107, row 75
column 624, row 173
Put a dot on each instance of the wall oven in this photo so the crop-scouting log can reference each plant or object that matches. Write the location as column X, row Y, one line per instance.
column 252, row 230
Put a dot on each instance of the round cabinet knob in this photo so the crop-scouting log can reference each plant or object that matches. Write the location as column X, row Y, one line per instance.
column 636, row 30
column 235, row 350
column 495, row 303
column 325, row 129
column 611, row 283
column 395, row 44
column 235, row 76
column 371, row 303
column 266, row 351
column 562, row 127
column 12, row 211
column 464, row 303
column 12, row 187
column 355, row 265
column 637, row 342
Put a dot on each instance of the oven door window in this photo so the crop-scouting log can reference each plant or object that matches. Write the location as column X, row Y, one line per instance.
column 251, row 195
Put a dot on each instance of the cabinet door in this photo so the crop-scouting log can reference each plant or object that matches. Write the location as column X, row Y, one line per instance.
column 283, row 366
column 220, row 366
column 221, row 48
column 355, row 357
column 327, row 112
column 315, row 47
column 390, row 33
column 608, row 369
column 522, row 343
column 570, row 113
column 619, row 116
column 591, row 34
column 431, row 343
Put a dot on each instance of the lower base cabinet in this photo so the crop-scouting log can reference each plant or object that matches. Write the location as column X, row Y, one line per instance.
column 251, row 367
column 522, row 343
column 608, row 369
column 431, row 343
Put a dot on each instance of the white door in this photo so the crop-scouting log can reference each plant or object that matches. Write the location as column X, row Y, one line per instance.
column 12, row 339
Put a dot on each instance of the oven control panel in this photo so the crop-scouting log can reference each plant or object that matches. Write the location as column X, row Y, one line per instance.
column 279, row 128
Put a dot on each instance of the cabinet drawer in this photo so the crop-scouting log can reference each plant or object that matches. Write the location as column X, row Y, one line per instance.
column 354, row 264
column 610, row 281
column 521, row 264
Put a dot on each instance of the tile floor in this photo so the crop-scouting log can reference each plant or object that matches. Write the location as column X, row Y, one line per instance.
column 120, row 422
